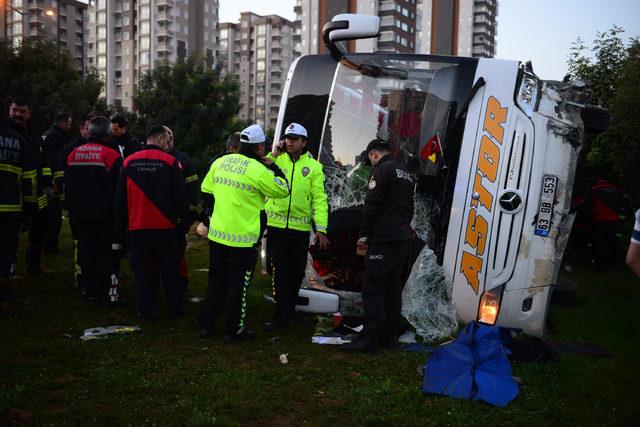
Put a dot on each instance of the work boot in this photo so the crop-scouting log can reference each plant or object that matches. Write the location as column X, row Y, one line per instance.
column 206, row 332
column 242, row 336
column 52, row 250
column 37, row 269
column 4, row 290
column 389, row 343
column 362, row 344
column 278, row 323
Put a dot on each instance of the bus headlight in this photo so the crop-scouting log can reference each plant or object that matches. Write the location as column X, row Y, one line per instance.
column 490, row 305
column 527, row 96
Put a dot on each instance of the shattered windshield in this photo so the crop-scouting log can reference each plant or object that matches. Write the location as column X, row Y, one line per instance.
column 412, row 104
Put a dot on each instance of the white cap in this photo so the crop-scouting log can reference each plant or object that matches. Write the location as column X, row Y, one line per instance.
column 295, row 129
column 252, row 135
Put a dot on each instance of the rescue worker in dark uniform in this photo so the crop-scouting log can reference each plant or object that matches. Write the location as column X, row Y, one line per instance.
column 290, row 220
column 19, row 115
column 191, row 183
column 386, row 235
column 152, row 205
column 53, row 144
column 239, row 182
column 18, row 183
column 126, row 143
column 59, row 182
column 90, row 183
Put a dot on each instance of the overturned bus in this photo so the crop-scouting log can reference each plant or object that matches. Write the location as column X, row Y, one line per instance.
column 492, row 147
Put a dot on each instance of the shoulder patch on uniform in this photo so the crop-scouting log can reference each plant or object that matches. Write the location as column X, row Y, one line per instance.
column 305, row 171
column 372, row 184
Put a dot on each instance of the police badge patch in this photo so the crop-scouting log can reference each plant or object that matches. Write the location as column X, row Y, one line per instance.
column 372, row 184
column 305, row 171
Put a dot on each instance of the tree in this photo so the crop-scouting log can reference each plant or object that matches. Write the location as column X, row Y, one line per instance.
column 614, row 73
column 194, row 100
column 36, row 71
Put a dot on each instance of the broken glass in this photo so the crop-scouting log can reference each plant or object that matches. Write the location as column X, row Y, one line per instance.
column 426, row 299
column 346, row 187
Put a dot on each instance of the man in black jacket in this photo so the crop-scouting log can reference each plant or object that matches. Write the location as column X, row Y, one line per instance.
column 126, row 143
column 53, row 144
column 18, row 183
column 192, row 186
column 90, row 183
column 385, row 235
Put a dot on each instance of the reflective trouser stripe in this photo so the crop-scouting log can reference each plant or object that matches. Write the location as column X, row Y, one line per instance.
column 245, row 286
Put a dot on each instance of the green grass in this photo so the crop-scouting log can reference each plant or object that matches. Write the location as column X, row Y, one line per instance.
column 166, row 374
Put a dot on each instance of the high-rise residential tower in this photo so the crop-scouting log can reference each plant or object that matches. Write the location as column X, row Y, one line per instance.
column 61, row 21
column 445, row 27
column 258, row 51
column 129, row 37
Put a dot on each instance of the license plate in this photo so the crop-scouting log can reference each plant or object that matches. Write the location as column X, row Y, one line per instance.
column 545, row 209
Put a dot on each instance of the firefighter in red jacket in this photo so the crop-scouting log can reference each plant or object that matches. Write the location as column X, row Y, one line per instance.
column 90, row 183
column 607, row 205
column 151, row 203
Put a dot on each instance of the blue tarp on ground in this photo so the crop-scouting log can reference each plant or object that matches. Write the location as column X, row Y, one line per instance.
column 474, row 366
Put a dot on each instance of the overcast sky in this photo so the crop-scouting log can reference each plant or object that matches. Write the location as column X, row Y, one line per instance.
column 541, row 31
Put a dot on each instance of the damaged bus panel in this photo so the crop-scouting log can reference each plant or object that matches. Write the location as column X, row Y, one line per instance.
column 493, row 150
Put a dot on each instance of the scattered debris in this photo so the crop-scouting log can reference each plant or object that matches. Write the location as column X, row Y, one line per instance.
column 103, row 333
column 205, row 270
column 283, row 358
column 329, row 340
column 408, row 337
column 196, row 299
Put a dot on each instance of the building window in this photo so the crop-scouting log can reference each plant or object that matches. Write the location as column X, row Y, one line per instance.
column 144, row 27
column 101, row 18
column 101, row 47
column 144, row 43
column 144, row 12
column 101, row 33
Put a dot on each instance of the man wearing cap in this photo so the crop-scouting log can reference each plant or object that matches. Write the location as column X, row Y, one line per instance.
column 239, row 182
column 291, row 219
column 385, row 235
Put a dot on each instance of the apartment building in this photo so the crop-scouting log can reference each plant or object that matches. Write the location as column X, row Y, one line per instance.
column 446, row 27
column 258, row 51
column 458, row 27
column 61, row 21
column 127, row 38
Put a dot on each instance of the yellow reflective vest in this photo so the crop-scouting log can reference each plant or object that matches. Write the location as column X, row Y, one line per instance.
column 240, row 185
column 307, row 200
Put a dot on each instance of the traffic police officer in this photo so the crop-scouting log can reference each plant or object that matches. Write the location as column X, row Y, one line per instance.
column 291, row 219
column 151, row 203
column 386, row 235
column 239, row 183
column 18, row 183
